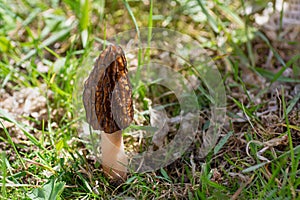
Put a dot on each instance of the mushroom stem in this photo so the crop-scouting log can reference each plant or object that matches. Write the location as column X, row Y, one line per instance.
column 114, row 159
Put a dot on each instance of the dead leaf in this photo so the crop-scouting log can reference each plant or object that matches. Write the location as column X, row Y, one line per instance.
column 159, row 119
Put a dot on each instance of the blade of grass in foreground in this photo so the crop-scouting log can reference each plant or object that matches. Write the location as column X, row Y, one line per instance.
column 4, row 172
column 150, row 24
column 84, row 21
column 270, row 75
column 7, row 117
column 289, row 63
column 292, row 103
column 12, row 143
column 296, row 151
column 138, row 71
column 222, row 142
column 59, row 35
column 210, row 19
column 294, row 164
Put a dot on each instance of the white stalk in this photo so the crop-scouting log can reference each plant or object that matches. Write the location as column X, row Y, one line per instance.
column 114, row 159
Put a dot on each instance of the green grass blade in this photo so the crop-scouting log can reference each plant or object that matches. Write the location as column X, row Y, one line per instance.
column 84, row 21
column 4, row 172
column 222, row 142
column 289, row 63
column 294, row 164
column 12, row 143
column 58, row 36
column 138, row 71
column 210, row 19
column 265, row 39
column 254, row 167
column 132, row 17
column 9, row 118
column 150, row 24
column 292, row 103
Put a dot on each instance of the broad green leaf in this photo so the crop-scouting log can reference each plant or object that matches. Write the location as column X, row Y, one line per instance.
column 50, row 191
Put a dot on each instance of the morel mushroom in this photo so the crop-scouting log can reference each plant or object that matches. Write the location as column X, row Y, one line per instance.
column 108, row 105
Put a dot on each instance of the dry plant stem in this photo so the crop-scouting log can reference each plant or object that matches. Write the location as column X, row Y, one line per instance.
column 114, row 159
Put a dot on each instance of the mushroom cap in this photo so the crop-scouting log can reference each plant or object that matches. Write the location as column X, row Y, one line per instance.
column 107, row 95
